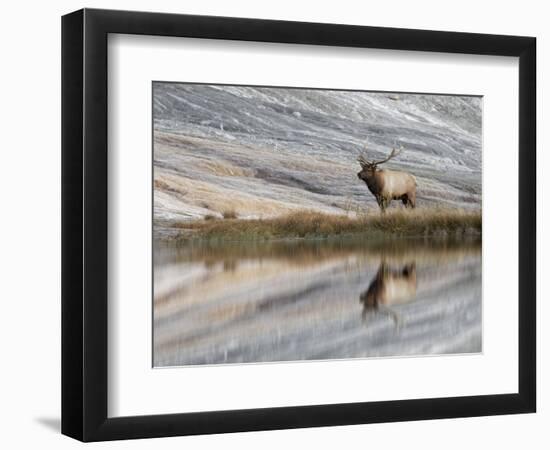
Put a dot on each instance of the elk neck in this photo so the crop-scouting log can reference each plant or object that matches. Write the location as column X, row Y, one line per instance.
column 372, row 182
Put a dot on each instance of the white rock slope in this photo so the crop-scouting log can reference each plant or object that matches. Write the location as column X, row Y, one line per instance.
column 265, row 151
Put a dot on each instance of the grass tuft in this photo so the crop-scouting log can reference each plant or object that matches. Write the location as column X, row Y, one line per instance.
column 229, row 214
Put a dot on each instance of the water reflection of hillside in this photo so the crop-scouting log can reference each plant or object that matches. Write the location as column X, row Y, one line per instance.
column 302, row 250
column 293, row 300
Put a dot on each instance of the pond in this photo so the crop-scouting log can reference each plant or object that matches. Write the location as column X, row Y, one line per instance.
column 249, row 302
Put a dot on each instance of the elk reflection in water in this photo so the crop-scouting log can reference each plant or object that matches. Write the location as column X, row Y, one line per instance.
column 298, row 300
column 390, row 286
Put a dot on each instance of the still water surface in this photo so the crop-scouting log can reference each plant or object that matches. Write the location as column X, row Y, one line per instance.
column 314, row 300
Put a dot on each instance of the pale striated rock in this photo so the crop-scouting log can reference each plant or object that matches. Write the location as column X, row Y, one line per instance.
column 266, row 151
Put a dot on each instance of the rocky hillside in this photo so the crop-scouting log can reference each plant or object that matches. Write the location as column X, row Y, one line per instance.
column 260, row 152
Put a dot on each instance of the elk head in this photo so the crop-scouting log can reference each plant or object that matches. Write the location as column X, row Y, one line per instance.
column 369, row 167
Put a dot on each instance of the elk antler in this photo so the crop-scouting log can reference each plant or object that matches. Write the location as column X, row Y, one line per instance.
column 362, row 158
column 395, row 152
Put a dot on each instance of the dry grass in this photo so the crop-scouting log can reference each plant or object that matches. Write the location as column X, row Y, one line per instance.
column 310, row 224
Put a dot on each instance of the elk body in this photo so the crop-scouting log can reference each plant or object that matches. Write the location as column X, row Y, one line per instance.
column 388, row 185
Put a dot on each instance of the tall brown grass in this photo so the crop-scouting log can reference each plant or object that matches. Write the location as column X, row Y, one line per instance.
column 311, row 224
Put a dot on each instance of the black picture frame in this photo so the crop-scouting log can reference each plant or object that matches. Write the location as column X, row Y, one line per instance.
column 84, row 224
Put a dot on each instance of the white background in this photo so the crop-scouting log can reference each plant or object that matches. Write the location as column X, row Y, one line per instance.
column 135, row 389
column 30, row 234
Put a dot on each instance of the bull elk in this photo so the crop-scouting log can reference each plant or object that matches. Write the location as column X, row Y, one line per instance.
column 387, row 185
column 391, row 286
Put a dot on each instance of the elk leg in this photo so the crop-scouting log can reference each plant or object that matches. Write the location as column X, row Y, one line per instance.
column 380, row 201
column 385, row 203
column 364, row 314
column 395, row 317
column 412, row 200
column 408, row 201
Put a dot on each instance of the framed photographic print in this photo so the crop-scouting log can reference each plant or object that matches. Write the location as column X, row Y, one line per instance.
column 267, row 224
